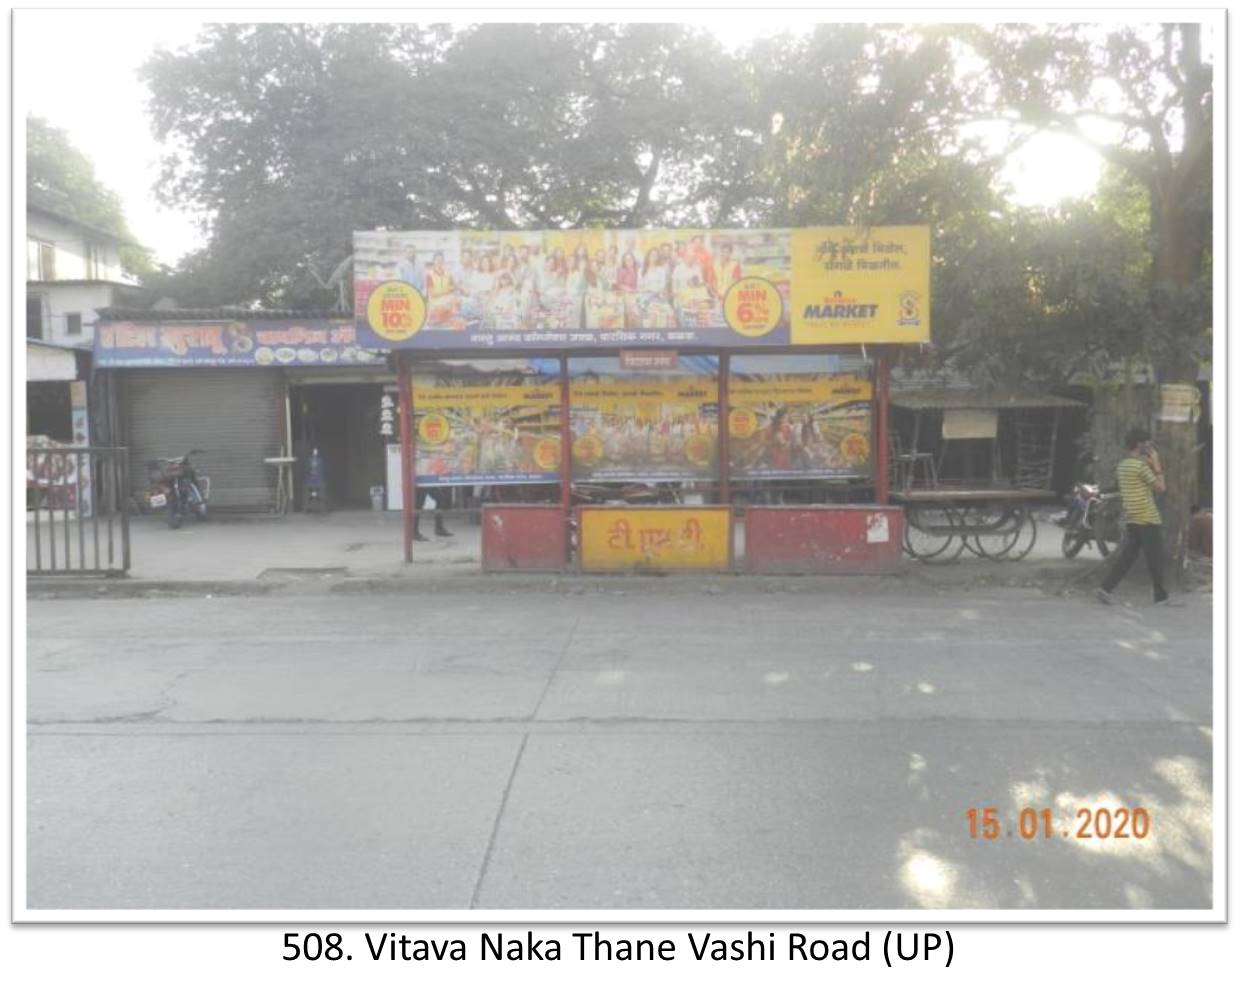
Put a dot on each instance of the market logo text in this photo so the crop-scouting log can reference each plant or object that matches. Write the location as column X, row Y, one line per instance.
column 840, row 307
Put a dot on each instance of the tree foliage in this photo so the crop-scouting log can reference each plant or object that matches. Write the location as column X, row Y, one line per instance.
column 1141, row 96
column 60, row 178
column 290, row 137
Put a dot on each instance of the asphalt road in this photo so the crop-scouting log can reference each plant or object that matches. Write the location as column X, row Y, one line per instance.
column 663, row 748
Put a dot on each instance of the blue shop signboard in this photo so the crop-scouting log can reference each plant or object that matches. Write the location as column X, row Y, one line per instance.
column 236, row 343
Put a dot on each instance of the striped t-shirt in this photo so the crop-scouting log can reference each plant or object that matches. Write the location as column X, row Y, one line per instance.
column 1135, row 480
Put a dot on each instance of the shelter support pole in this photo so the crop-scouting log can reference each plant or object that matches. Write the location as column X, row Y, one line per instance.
column 882, row 475
column 408, row 484
column 1057, row 420
column 565, row 448
column 724, row 428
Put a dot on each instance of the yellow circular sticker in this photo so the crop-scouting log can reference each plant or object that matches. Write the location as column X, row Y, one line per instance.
column 753, row 307
column 742, row 423
column 699, row 449
column 395, row 310
column 855, row 447
column 587, row 450
column 433, row 429
column 546, row 454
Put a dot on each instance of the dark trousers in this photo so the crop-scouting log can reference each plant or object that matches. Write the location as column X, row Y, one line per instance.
column 1148, row 539
column 442, row 503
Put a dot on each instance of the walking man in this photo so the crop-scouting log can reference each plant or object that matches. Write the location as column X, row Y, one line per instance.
column 1140, row 478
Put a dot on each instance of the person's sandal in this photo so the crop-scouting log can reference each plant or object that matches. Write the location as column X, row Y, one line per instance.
column 1104, row 596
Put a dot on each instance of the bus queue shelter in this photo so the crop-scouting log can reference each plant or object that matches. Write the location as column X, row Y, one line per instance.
column 761, row 369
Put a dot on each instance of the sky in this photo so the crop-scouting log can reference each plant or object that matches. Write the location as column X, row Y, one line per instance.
column 95, row 96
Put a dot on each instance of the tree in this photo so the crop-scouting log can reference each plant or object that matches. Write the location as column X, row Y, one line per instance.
column 1151, row 89
column 864, row 129
column 60, row 178
column 290, row 137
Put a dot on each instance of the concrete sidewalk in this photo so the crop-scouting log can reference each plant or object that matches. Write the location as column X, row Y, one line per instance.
column 345, row 550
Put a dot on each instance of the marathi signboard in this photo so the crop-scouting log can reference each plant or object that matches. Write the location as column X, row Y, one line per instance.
column 677, row 288
column 240, row 343
column 643, row 426
column 474, row 430
column 615, row 538
column 788, row 420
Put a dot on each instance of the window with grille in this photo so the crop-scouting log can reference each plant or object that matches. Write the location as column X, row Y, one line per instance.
column 34, row 317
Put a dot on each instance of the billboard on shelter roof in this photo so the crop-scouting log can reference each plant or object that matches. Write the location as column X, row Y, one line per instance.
column 678, row 288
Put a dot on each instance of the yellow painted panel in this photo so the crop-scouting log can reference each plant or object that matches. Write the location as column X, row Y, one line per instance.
column 859, row 285
column 624, row 538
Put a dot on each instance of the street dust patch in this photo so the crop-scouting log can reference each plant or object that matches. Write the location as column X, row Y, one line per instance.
column 302, row 573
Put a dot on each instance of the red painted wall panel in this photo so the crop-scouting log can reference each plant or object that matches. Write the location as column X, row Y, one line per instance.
column 523, row 538
column 832, row 539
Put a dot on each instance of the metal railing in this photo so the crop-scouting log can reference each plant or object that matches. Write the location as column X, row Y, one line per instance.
column 77, row 515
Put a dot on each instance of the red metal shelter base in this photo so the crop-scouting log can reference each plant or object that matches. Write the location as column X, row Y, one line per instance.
column 833, row 539
column 523, row 538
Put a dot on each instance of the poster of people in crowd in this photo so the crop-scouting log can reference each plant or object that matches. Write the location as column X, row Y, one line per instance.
column 474, row 428
column 595, row 279
column 642, row 425
column 800, row 417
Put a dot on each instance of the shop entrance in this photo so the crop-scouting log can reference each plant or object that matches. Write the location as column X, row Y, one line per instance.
column 342, row 422
column 48, row 410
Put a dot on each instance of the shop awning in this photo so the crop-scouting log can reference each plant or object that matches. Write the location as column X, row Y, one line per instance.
column 45, row 362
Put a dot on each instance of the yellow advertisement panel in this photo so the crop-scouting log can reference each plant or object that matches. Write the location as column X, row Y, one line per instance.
column 859, row 285
column 485, row 431
column 644, row 425
column 800, row 425
column 626, row 538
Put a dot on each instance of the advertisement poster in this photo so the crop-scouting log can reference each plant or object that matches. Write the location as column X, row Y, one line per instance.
column 563, row 289
column 1179, row 403
column 473, row 429
column 859, row 285
column 734, row 288
column 247, row 343
column 792, row 417
column 644, row 425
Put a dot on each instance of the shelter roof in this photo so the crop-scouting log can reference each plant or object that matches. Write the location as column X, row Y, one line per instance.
column 921, row 399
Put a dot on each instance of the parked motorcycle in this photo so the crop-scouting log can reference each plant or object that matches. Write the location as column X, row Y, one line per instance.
column 1092, row 516
column 639, row 493
column 177, row 486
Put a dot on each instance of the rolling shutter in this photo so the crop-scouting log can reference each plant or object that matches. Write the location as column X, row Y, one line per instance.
column 232, row 415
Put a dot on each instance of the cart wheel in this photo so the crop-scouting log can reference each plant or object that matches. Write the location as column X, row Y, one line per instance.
column 993, row 546
column 1025, row 536
column 932, row 534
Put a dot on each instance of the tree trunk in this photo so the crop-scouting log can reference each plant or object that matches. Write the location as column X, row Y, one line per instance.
column 1176, row 441
column 1177, row 263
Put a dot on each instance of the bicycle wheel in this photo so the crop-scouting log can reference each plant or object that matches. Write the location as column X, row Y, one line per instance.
column 932, row 534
